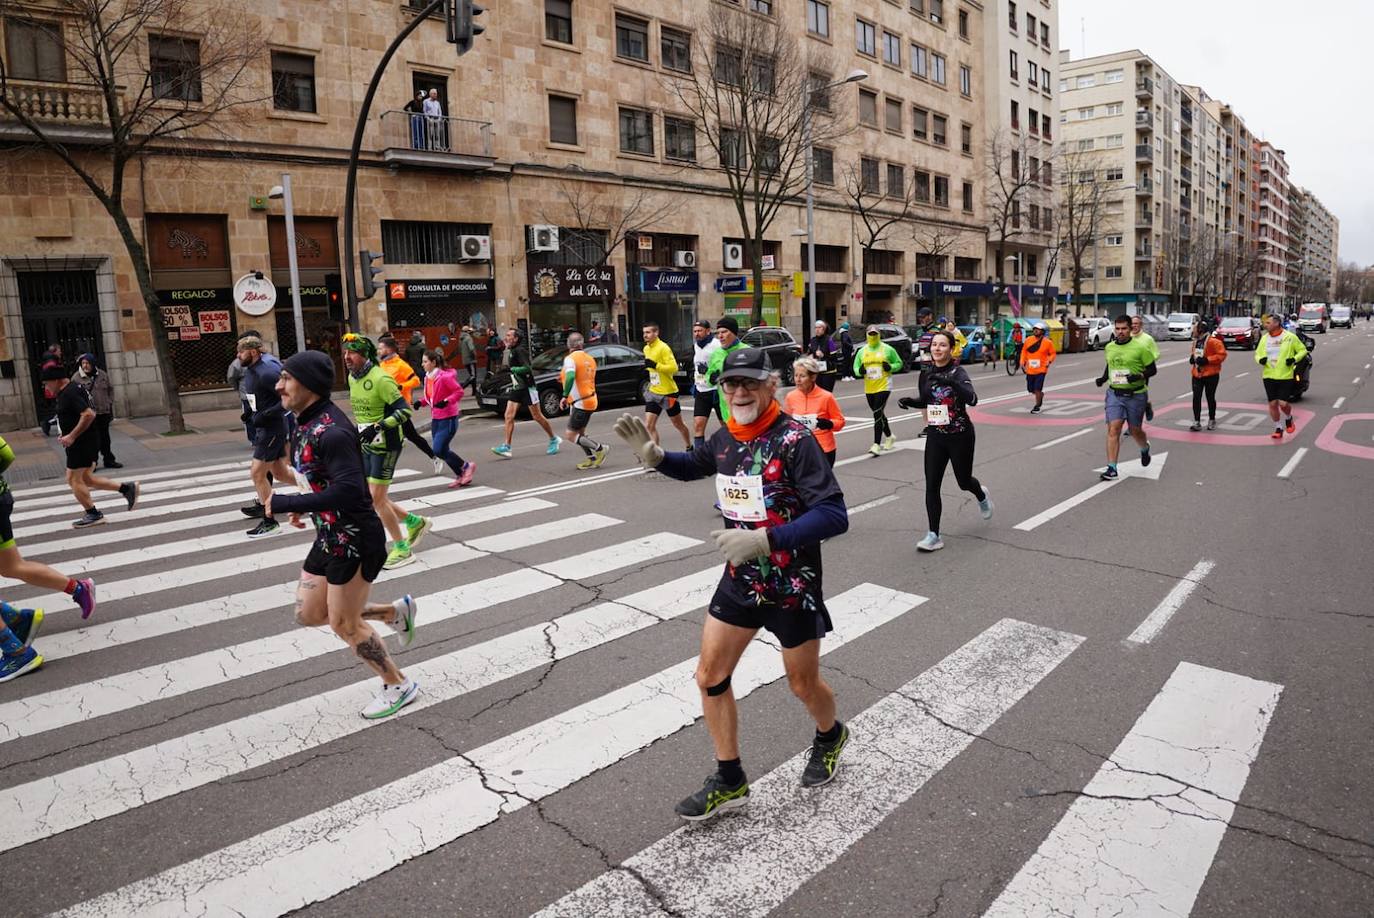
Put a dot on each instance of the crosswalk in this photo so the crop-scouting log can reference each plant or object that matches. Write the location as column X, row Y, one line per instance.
column 194, row 677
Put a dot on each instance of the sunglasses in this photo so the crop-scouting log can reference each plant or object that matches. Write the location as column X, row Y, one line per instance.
column 734, row 385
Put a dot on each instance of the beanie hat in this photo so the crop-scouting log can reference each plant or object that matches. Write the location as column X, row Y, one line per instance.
column 54, row 371
column 729, row 323
column 312, row 369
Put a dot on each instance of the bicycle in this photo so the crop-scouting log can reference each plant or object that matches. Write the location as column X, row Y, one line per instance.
column 1013, row 359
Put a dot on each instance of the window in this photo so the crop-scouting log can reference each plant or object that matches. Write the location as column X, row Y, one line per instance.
column 1030, row 26
column 427, row 242
column 1113, row 271
column 1031, row 265
column 679, row 139
column 631, row 38
column 966, row 139
column 868, row 107
column 868, row 176
column 562, row 120
column 918, row 6
column 918, row 62
column 968, row 208
column 1011, row 16
column 1114, row 141
column 820, row 92
column 1034, row 209
column 558, row 21
column 770, row 155
column 293, row 82
column 823, row 165
column 1085, row 113
column 763, row 72
column 1015, row 114
column 675, row 49
column 938, row 126
column 1112, row 76
column 762, row 6
column 1015, row 66
column 1086, row 177
column 174, row 68
column 1032, row 73
column 963, row 23
column 937, row 68
column 942, row 190
column 1045, row 79
column 892, row 115
column 920, row 185
column 1085, row 82
column 1085, row 144
column 1016, row 165
column 937, row 11
column 865, row 38
column 818, row 18
column 966, row 80
column 728, row 64
column 1034, row 175
column 1045, row 126
column 1033, row 118
column 920, row 123
column 892, row 49
column 1113, row 108
column 731, row 149
column 1112, row 239
column 896, row 180
column 1045, row 34
column 33, row 51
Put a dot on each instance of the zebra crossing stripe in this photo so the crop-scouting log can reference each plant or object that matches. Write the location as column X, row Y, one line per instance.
column 614, row 557
column 1142, row 836
column 194, row 482
column 124, row 782
column 27, row 492
column 326, row 852
column 791, row 833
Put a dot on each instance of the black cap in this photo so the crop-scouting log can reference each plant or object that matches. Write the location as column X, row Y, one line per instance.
column 702, row 323
column 924, row 311
column 729, row 323
column 312, row 369
column 746, row 363
column 54, row 371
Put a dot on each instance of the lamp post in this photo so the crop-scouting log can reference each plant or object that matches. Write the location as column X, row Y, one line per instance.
column 283, row 191
column 854, row 76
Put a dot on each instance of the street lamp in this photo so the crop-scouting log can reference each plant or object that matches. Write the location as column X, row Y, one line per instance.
column 1097, row 310
column 283, row 191
column 854, row 76
column 1015, row 262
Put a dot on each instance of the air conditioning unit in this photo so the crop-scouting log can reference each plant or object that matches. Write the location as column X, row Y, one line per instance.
column 474, row 248
column 734, row 255
column 684, row 259
column 543, row 238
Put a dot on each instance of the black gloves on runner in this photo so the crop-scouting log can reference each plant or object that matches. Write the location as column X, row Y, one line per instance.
column 1101, row 380
column 910, row 403
column 650, row 364
column 442, row 403
column 1200, row 361
column 1264, row 361
column 824, row 423
column 1291, row 361
column 367, row 434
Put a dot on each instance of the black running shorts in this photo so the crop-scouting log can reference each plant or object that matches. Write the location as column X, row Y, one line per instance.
column 668, row 404
column 703, row 403
column 6, row 528
column 579, row 418
column 380, row 467
column 1278, row 390
column 84, row 452
column 340, row 569
column 269, row 443
column 792, row 628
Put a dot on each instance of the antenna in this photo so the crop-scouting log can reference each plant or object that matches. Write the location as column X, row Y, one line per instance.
column 1083, row 35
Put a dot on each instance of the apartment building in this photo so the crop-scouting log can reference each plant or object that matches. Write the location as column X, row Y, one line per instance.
column 1274, row 215
column 507, row 206
column 1239, row 222
column 1314, row 247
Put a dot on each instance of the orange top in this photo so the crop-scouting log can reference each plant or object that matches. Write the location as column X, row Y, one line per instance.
column 1215, row 352
column 1038, row 363
column 405, row 377
column 810, row 408
column 579, row 380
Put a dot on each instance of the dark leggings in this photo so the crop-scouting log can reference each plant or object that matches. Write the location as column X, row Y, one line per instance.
column 1207, row 384
column 877, row 402
column 413, row 435
column 954, row 449
column 830, row 458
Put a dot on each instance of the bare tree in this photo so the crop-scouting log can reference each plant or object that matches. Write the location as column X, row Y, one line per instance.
column 749, row 88
column 1083, row 216
column 120, row 109
column 1014, row 185
column 600, row 217
column 935, row 242
column 878, row 213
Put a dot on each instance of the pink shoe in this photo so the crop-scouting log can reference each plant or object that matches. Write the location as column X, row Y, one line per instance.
column 465, row 479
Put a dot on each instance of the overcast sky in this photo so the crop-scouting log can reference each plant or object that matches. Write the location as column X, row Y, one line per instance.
column 1299, row 74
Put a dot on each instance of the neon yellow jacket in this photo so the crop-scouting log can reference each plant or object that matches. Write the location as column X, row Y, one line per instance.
column 1278, row 367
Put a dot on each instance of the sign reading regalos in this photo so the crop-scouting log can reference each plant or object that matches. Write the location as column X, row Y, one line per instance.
column 255, row 294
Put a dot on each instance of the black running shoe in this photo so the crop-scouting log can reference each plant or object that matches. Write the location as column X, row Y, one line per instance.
column 130, row 491
column 1149, row 411
column 714, row 797
column 265, row 528
column 253, row 511
column 91, row 517
column 825, row 760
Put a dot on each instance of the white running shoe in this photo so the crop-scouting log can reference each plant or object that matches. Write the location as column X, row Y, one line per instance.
column 889, row 443
column 439, row 466
column 985, row 505
column 404, row 625
column 931, row 542
column 875, row 450
column 391, row 699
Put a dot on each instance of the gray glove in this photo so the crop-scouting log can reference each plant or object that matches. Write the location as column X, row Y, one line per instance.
column 636, row 436
column 741, row 545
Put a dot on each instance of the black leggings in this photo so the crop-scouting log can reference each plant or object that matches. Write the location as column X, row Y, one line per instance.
column 877, row 402
column 413, row 435
column 954, row 449
column 1207, row 384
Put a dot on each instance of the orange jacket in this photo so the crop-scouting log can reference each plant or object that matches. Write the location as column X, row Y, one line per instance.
column 1215, row 352
column 819, row 404
column 405, row 377
column 1045, row 354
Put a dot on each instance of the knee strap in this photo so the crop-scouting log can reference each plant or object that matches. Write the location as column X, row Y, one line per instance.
column 720, row 688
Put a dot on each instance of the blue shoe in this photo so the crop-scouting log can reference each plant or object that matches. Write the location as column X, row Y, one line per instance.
column 26, row 627
column 931, row 542
column 12, row 667
column 553, row 447
column 985, row 505
column 503, row 450
column 1110, row 473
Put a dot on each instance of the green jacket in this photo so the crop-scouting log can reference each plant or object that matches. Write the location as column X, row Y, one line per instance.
column 1291, row 351
column 713, row 368
column 376, row 399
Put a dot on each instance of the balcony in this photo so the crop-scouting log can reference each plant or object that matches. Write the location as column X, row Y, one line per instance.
column 1185, row 231
column 68, row 113
column 1144, row 220
column 1185, row 174
column 1144, row 119
column 1186, row 116
column 1185, row 202
column 1144, row 86
column 437, row 142
column 1144, row 153
column 1144, row 251
column 1144, row 186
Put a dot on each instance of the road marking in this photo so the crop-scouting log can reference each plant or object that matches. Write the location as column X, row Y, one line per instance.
column 918, row 444
column 526, row 536
column 873, row 504
column 1179, row 398
column 613, row 557
column 1366, row 366
column 1239, row 375
column 149, row 491
column 1145, row 830
column 1067, row 437
column 579, row 483
column 1339, row 402
column 1154, row 623
column 324, row 853
column 1355, row 381
column 141, row 477
column 792, row 833
column 1131, row 469
column 1287, row 470
column 126, row 781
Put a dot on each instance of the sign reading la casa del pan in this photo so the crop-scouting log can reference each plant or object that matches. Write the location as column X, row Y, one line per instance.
column 571, row 282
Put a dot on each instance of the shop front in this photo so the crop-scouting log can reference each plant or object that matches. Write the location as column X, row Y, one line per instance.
column 1039, row 301
column 317, row 263
column 738, row 295
column 189, row 258
column 959, row 300
column 667, row 297
column 439, row 308
column 567, row 298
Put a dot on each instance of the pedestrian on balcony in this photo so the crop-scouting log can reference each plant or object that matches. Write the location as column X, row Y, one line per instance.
column 416, row 108
column 434, row 118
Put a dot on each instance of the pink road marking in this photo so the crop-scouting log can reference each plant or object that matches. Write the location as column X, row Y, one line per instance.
column 1328, row 440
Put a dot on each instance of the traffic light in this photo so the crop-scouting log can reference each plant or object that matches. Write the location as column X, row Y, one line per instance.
column 333, row 294
column 460, row 19
column 370, row 272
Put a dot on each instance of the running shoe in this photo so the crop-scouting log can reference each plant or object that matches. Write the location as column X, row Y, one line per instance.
column 391, row 699
column 1110, row 473
column 265, row 527
column 930, row 542
column 825, row 760
column 438, row 466
column 1195, row 426
column 714, row 797
column 92, row 517
column 254, row 511
column 503, row 450
column 599, row 456
column 84, row 596
column 875, row 450
column 130, row 491
column 1035, row 409
column 405, row 618
column 1145, row 456
column 985, row 505
column 417, row 532
column 1149, row 411
column 889, row 443
column 1289, row 426
column 26, row 627
column 26, row 661
column 1277, row 434
column 114, row 465
column 398, row 557
column 588, row 463
column 1212, row 424
column 553, row 447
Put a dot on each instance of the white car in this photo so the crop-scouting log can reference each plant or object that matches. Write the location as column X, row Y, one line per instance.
column 1181, row 325
column 1100, row 331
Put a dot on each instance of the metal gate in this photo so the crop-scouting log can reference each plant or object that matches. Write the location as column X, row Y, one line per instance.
column 59, row 307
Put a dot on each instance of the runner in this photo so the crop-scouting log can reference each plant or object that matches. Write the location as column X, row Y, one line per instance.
column 268, row 420
column 404, row 373
column 876, row 362
column 350, row 544
column 727, row 333
column 1209, row 353
column 1279, row 352
column 1130, row 362
column 1018, row 340
column 824, row 350
column 515, row 358
column 443, row 393
column 1138, row 332
column 926, row 319
column 989, row 343
column 946, row 393
column 662, row 397
column 704, row 398
column 846, row 351
column 780, row 501
column 75, row 421
column 579, row 400
column 813, row 405
column 379, row 406
column 1036, row 357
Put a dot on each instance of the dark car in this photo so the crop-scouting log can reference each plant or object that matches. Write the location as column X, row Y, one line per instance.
column 781, row 347
column 620, row 378
column 1239, row 331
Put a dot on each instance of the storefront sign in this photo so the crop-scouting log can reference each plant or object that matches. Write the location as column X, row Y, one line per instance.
column 196, row 296
column 1050, row 292
column 668, row 281
column 176, row 316
column 254, row 294
column 955, row 288
column 190, row 333
column 441, row 290
column 214, row 322
column 571, row 283
column 310, row 295
column 744, row 283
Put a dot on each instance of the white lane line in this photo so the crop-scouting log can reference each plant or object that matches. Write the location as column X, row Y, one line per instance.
column 1067, row 437
column 1291, row 464
column 324, row 853
column 1367, row 366
column 1143, row 834
column 192, row 484
column 613, row 557
column 1179, row 398
column 26, row 492
column 791, row 833
column 873, row 504
column 107, row 788
column 101, row 536
column 918, row 445
column 1355, row 381
column 526, row 536
column 1127, row 470
column 1339, row 402
column 1239, row 375
column 579, row 483
column 1154, row 623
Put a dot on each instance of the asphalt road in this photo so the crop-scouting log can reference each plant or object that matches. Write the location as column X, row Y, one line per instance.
column 1146, row 698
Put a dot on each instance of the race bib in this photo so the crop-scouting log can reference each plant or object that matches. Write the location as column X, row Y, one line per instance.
column 741, row 498
column 533, row 394
column 1119, row 377
column 1197, row 352
column 873, row 371
column 252, row 402
column 937, row 415
column 808, row 419
column 653, row 378
column 1033, row 363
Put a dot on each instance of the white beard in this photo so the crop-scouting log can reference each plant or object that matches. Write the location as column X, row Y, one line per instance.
column 746, row 415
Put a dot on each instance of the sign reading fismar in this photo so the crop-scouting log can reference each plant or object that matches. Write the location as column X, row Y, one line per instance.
column 571, row 283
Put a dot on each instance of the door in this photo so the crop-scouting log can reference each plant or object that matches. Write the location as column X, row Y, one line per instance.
column 59, row 307
column 435, row 135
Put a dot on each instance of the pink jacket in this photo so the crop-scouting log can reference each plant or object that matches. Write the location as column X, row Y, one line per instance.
column 443, row 386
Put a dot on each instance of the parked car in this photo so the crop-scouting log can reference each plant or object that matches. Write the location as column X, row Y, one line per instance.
column 1239, row 331
column 1342, row 317
column 778, row 343
column 1100, row 331
column 1312, row 317
column 1181, row 325
column 620, row 379
column 978, row 341
column 902, row 342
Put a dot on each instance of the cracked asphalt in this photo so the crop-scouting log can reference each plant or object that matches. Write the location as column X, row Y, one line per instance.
column 1286, row 603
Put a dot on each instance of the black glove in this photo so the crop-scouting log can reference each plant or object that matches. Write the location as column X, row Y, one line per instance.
column 824, row 423
column 1200, row 361
column 701, row 368
column 1134, row 377
column 367, row 434
column 1101, row 381
column 1264, row 361
column 650, row 364
column 1291, row 361
column 908, row 402
column 246, row 417
column 442, row 403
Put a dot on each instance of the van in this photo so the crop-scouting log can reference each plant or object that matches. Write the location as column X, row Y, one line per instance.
column 1181, row 325
column 1342, row 317
column 1313, row 317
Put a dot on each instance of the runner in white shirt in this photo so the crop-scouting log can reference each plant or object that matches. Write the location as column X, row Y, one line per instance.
column 704, row 399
